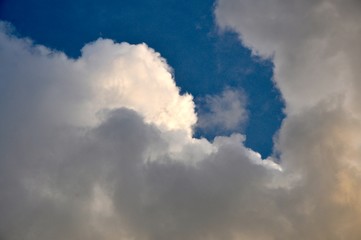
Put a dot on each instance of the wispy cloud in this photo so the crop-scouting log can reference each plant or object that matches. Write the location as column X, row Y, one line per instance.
column 223, row 112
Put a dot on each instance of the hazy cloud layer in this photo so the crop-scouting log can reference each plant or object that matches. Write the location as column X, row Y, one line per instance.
column 313, row 44
column 315, row 48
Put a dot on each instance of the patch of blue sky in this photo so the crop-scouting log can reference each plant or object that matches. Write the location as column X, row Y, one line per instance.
column 204, row 60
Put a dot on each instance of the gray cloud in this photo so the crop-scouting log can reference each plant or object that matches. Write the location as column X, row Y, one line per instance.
column 313, row 45
column 100, row 147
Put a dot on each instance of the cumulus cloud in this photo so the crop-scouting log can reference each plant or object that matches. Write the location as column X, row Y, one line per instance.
column 223, row 112
column 315, row 48
column 100, row 147
column 107, row 76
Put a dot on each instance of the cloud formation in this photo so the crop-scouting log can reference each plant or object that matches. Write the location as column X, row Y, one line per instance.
column 107, row 76
column 315, row 48
column 100, row 147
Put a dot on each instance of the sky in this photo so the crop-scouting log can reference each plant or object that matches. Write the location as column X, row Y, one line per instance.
column 204, row 61
column 151, row 120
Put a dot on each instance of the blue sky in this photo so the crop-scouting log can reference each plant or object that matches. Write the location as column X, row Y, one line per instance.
column 205, row 60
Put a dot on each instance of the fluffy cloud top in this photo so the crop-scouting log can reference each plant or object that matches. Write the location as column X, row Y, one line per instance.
column 107, row 76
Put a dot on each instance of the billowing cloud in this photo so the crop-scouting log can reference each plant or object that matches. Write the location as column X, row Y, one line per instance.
column 315, row 48
column 100, row 147
column 106, row 77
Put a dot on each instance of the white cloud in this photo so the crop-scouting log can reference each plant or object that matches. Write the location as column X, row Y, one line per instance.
column 107, row 76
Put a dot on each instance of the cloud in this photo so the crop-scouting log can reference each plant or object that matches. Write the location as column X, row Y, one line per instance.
column 107, row 76
column 312, row 44
column 224, row 112
column 100, row 147
column 316, row 55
